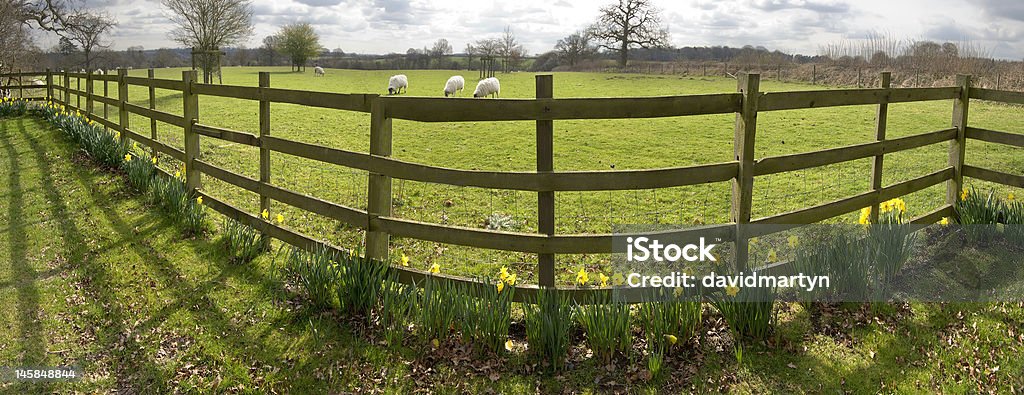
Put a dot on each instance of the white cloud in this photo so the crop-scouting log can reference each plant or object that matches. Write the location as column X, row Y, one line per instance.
column 381, row 26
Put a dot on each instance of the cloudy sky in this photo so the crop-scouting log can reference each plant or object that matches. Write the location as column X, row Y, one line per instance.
column 801, row 26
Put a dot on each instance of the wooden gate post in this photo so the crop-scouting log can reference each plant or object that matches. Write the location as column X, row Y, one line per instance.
column 78, row 94
column 881, row 119
column 106, row 94
column 122, row 99
column 152, row 106
column 264, row 82
column 21, row 85
column 190, row 106
column 743, row 148
column 379, row 185
column 545, row 199
column 88, row 94
column 67, row 89
column 957, row 147
column 49, row 84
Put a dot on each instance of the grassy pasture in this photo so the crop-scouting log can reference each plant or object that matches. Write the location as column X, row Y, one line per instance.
column 579, row 145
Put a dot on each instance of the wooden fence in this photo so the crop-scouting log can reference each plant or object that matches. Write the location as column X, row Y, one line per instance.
column 380, row 225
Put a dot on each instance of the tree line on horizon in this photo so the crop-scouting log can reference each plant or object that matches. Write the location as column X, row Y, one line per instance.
column 624, row 30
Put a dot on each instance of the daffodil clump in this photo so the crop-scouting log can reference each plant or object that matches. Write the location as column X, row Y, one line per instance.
column 104, row 147
column 13, row 107
column 243, row 242
column 668, row 317
column 316, row 273
column 606, row 321
column 486, row 311
column 359, row 281
column 549, row 323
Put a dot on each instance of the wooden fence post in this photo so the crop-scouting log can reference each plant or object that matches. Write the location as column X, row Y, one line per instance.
column 122, row 100
column 379, row 185
column 67, row 89
column 88, row 94
column 743, row 148
column 78, row 95
column 106, row 94
column 190, row 104
column 881, row 120
column 49, row 84
column 264, row 82
column 21, row 83
column 152, row 106
column 957, row 147
column 814, row 74
column 545, row 199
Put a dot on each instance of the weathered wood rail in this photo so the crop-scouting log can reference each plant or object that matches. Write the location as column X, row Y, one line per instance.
column 380, row 225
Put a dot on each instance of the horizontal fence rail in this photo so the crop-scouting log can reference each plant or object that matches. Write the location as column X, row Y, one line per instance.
column 377, row 220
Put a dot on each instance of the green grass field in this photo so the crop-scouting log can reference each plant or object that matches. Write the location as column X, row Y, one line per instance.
column 579, row 145
column 99, row 280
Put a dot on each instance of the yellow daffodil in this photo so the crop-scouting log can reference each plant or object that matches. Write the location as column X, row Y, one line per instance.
column 793, row 241
column 773, row 256
column 153, row 160
column 435, row 268
column 508, row 345
column 503, row 273
column 405, row 260
column 511, row 280
column 603, row 279
column 865, row 216
column 944, row 221
column 618, row 279
column 280, row 219
column 127, row 157
column 177, row 174
column 964, row 194
column 199, row 199
column 732, row 291
column 1011, row 197
column 500, row 285
column 581, row 277
column 671, row 339
column 265, row 214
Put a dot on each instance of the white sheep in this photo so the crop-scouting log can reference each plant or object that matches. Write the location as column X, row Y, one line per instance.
column 396, row 83
column 487, row 86
column 99, row 71
column 454, row 84
column 318, row 71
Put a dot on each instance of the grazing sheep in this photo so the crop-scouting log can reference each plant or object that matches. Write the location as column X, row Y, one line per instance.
column 318, row 71
column 454, row 84
column 99, row 71
column 487, row 86
column 396, row 83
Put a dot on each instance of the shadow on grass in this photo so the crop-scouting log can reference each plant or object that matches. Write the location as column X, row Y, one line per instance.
column 24, row 277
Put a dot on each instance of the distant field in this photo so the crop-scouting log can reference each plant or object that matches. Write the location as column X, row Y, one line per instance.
column 579, row 145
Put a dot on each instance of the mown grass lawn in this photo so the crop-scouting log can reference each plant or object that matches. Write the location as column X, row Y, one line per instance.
column 579, row 145
column 92, row 277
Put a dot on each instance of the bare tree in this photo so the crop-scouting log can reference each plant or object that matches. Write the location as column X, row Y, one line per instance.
column 471, row 52
column 86, row 31
column 510, row 49
column 299, row 42
column 575, row 47
column 269, row 50
column 440, row 49
column 629, row 24
column 209, row 25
